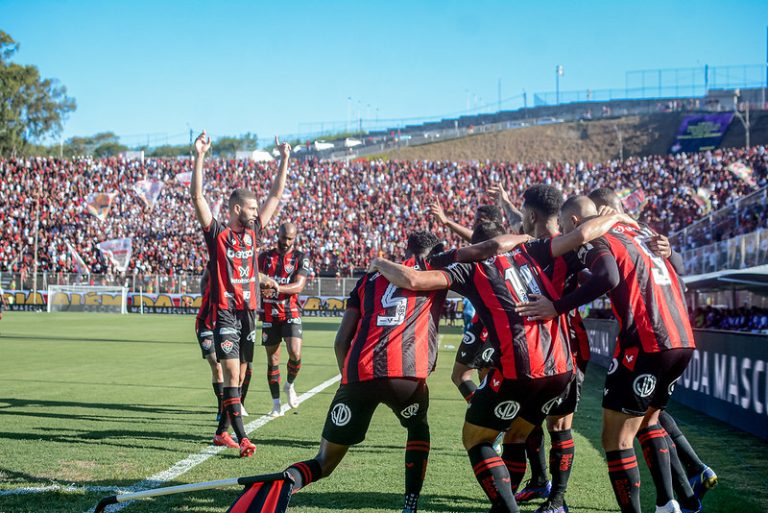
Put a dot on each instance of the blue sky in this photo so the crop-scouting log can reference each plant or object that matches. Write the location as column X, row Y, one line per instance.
column 149, row 70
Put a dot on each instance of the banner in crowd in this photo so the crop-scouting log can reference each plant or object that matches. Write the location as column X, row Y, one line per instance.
column 77, row 261
column 633, row 201
column 743, row 172
column 99, row 204
column 702, row 199
column 727, row 377
column 701, row 132
column 184, row 178
column 117, row 251
column 216, row 207
column 148, row 191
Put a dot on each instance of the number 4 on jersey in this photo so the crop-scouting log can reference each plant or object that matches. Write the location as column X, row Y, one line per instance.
column 400, row 304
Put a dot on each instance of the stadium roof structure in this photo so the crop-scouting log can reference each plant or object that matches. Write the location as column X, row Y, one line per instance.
column 754, row 279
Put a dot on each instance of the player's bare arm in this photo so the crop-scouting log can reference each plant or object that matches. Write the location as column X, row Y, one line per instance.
column 437, row 211
column 409, row 278
column 272, row 203
column 202, row 210
column 587, row 231
column 267, row 282
column 512, row 213
column 345, row 334
column 295, row 287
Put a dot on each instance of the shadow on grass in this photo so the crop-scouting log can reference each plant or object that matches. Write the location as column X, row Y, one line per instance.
column 9, row 402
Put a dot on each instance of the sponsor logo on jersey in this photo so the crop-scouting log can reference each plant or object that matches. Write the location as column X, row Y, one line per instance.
column 227, row 331
column 247, row 240
column 671, row 387
column 557, row 401
column 487, row 355
column 341, row 414
column 206, row 334
column 206, row 344
column 297, row 320
column 629, row 360
column 614, row 365
column 507, row 410
column 227, row 346
column 644, row 385
column 251, row 336
column 410, row 411
column 231, row 253
column 243, row 271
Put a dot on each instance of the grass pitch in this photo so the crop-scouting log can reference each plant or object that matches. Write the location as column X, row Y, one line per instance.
column 99, row 401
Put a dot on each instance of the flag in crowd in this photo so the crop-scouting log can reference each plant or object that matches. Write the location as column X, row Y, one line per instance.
column 743, row 172
column 216, row 207
column 633, row 201
column 117, row 251
column 99, row 204
column 148, row 191
column 184, row 178
column 702, row 199
column 80, row 266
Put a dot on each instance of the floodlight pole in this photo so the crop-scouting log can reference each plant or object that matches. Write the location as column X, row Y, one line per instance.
column 744, row 120
column 37, row 231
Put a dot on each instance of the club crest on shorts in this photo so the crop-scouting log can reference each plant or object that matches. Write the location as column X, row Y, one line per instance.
column 487, row 355
column 227, row 346
column 410, row 411
column 507, row 410
column 251, row 336
column 671, row 387
column 341, row 414
column 644, row 385
column 468, row 339
column 207, row 344
column 613, row 366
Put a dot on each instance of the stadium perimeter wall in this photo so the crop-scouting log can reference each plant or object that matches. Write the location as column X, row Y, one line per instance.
column 727, row 378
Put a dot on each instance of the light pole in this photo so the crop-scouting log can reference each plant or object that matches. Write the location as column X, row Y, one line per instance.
column 744, row 121
column 559, row 71
column 349, row 111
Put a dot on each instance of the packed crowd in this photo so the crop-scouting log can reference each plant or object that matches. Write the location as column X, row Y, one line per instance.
column 746, row 318
column 347, row 213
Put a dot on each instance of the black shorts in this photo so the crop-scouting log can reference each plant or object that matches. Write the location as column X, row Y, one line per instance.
column 498, row 401
column 273, row 332
column 474, row 352
column 569, row 402
column 204, row 339
column 352, row 408
column 638, row 380
column 234, row 334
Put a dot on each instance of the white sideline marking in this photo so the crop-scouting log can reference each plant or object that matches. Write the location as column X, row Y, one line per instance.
column 193, row 460
column 61, row 488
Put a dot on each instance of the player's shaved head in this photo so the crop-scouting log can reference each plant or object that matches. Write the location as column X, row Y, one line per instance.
column 574, row 210
column 288, row 229
column 421, row 243
column 607, row 197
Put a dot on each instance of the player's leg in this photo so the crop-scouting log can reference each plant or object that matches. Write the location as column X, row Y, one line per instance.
column 247, row 343
column 700, row 477
column 292, row 334
column 461, row 376
column 270, row 339
column 409, row 400
column 346, row 424
column 538, row 486
column 619, row 430
column 489, row 469
column 246, row 371
column 205, row 341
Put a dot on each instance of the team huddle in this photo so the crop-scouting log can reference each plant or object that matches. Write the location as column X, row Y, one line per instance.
column 525, row 279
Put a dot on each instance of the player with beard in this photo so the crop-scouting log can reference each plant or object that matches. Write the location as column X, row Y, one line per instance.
column 281, row 317
column 386, row 347
column 235, row 282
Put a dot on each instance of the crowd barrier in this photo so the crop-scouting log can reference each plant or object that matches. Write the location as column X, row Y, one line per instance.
column 727, row 378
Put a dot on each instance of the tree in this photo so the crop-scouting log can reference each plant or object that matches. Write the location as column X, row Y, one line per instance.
column 31, row 107
column 229, row 146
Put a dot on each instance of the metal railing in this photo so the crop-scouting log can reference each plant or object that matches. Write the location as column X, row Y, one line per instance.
column 739, row 252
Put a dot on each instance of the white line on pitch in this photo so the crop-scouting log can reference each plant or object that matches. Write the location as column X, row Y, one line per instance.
column 193, row 460
column 62, row 488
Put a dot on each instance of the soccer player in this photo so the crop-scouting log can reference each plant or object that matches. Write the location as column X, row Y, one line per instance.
column 281, row 319
column 386, row 347
column 534, row 362
column 3, row 302
column 204, row 331
column 654, row 346
column 691, row 475
column 235, row 282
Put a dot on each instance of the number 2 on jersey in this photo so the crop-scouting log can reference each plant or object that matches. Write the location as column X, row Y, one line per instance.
column 400, row 304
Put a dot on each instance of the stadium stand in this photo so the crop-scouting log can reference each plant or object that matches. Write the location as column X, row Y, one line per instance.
column 346, row 213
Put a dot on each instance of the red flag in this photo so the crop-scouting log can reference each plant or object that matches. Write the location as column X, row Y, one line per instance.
column 264, row 497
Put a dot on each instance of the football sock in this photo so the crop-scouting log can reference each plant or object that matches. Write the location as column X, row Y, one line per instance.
column 560, row 461
column 688, row 457
column 513, row 456
column 680, row 483
column 467, row 389
column 534, row 449
column 294, row 366
column 416, row 456
column 493, row 476
column 231, row 405
column 656, row 454
column 273, row 379
column 305, row 473
column 246, row 383
column 218, row 391
column 625, row 479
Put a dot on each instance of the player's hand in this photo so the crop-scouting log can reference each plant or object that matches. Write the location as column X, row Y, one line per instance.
column 437, row 210
column 660, row 246
column 627, row 219
column 268, row 283
column 372, row 267
column 499, row 194
column 269, row 293
column 202, row 143
column 283, row 148
column 538, row 308
column 605, row 210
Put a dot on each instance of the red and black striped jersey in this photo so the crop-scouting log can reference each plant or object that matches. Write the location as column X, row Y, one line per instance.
column 649, row 301
column 525, row 348
column 234, row 266
column 284, row 268
column 204, row 317
column 563, row 272
column 396, row 336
